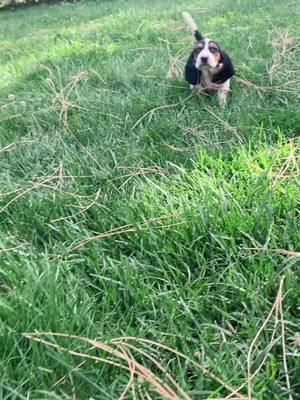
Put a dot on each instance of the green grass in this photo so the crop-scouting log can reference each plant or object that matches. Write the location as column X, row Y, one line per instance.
column 224, row 180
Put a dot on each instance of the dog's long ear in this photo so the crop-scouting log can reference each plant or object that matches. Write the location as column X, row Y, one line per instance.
column 192, row 74
column 227, row 70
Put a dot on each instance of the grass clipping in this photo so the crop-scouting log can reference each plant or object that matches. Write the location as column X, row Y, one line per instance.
column 142, row 360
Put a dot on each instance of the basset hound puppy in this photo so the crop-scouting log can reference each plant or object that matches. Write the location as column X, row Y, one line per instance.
column 208, row 67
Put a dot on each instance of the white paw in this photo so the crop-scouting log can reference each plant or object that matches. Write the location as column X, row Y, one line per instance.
column 222, row 95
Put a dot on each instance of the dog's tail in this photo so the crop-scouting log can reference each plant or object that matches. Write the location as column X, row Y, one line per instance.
column 192, row 25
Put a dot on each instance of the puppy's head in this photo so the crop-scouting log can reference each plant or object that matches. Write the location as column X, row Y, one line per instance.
column 206, row 57
column 207, row 54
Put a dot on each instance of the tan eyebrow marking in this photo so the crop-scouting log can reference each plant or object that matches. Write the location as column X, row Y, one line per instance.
column 213, row 46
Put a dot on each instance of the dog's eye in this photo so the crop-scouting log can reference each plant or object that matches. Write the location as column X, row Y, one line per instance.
column 213, row 50
column 198, row 50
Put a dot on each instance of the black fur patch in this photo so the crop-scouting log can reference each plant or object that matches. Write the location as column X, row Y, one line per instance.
column 198, row 36
column 226, row 72
column 192, row 74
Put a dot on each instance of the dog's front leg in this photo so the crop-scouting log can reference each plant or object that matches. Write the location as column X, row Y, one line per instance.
column 223, row 93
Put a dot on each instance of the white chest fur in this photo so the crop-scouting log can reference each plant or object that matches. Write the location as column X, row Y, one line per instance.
column 207, row 84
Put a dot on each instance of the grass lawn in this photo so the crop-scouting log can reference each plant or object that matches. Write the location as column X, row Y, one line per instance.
column 128, row 208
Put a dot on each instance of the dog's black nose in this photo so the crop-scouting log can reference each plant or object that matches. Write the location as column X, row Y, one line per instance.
column 204, row 59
